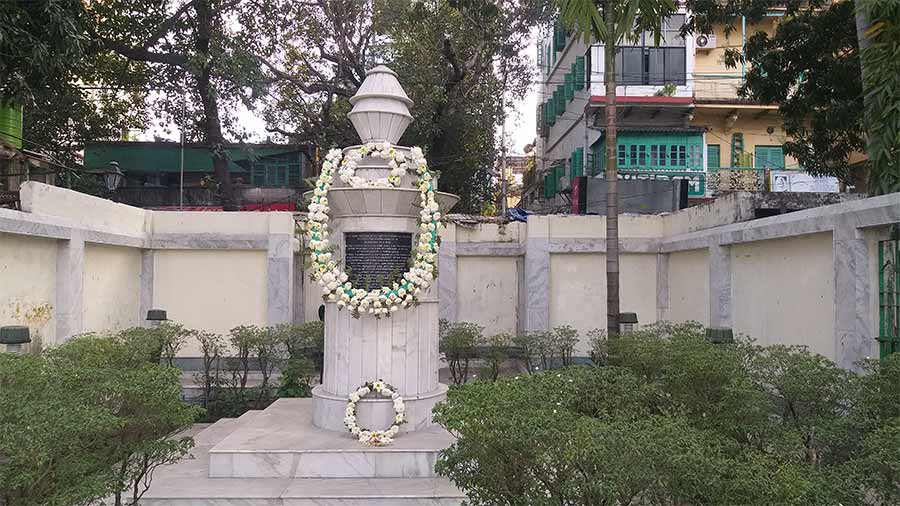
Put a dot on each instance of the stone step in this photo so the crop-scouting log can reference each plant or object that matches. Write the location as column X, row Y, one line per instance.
column 281, row 442
column 303, row 492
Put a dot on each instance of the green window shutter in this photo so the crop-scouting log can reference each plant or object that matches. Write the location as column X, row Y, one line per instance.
column 548, row 189
column 551, row 111
column 559, row 37
column 769, row 157
column 560, row 99
column 579, row 72
column 570, row 87
column 578, row 162
column 712, row 156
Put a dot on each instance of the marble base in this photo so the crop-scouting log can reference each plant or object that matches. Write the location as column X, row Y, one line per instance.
column 282, row 442
column 186, row 483
column 374, row 413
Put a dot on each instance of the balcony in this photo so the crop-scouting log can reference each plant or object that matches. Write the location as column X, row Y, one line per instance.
column 718, row 87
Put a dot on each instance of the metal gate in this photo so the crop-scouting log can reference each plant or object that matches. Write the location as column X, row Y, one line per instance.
column 889, row 296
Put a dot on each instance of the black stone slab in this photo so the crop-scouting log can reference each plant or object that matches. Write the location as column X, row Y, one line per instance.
column 374, row 259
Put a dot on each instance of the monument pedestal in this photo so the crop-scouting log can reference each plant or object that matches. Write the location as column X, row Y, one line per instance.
column 297, row 451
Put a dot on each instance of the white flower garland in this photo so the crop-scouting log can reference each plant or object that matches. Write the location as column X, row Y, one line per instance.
column 375, row 437
column 396, row 161
column 336, row 286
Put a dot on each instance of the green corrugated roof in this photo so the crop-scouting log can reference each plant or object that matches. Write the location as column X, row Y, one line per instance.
column 166, row 156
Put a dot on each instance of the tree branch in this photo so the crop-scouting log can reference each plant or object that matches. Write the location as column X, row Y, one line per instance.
column 145, row 55
column 167, row 25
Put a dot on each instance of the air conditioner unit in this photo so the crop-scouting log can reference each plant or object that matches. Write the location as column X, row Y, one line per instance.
column 705, row 42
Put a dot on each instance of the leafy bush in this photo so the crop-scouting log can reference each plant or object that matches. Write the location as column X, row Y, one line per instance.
column 457, row 342
column 599, row 346
column 497, row 353
column 87, row 420
column 675, row 419
column 565, row 339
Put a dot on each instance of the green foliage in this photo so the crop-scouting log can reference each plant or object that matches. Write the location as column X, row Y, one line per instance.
column 565, row 338
column 295, row 378
column 882, row 87
column 458, row 341
column 529, row 344
column 497, row 353
column 87, row 420
column 599, row 346
column 678, row 420
column 810, row 67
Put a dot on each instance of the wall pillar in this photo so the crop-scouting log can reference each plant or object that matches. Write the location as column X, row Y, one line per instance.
column 69, row 309
column 720, row 310
column 853, row 335
column 280, row 279
column 662, row 287
column 299, row 315
column 447, row 275
column 537, row 275
column 148, row 265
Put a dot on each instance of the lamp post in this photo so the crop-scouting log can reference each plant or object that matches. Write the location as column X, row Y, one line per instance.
column 627, row 322
column 113, row 176
column 14, row 336
column 156, row 317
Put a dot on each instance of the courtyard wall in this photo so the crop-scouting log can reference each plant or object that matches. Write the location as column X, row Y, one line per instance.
column 70, row 263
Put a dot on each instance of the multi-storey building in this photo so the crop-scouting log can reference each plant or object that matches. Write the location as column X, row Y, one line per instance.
column 679, row 114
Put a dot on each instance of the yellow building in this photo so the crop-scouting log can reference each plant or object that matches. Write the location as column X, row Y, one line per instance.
column 679, row 114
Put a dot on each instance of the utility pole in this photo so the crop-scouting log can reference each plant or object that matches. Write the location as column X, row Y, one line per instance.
column 503, row 181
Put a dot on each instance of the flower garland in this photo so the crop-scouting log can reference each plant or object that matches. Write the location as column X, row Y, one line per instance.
column 396, row 161
column 375, row 437
column 336, row 286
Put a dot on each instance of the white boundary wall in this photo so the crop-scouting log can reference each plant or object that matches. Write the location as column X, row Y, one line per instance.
column 71, row 263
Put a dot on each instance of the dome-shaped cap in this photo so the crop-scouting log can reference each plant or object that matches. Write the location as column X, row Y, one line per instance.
column 381, row 82
column 380, row 107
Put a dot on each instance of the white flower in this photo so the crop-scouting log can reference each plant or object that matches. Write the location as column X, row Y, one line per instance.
column 354, row 397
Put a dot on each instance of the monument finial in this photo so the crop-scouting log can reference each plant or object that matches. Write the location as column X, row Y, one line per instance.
column 380, row 107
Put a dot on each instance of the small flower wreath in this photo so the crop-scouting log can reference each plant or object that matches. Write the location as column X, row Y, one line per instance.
column 375, row 437
column 336, row 286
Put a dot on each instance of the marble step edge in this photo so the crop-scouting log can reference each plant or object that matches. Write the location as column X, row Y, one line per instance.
column 304, row 488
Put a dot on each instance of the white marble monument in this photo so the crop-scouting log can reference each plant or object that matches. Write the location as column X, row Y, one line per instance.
column 298, row 451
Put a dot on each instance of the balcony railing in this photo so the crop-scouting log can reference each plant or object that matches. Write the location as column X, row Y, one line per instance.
column 717, row 86
column 750, row 179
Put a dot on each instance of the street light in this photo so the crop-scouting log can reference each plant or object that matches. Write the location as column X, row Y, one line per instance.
column 156, row 317
column 14, row 336
column 113, row 176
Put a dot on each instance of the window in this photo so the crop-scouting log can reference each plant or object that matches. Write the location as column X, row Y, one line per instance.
column 621, row 154
column 769, row 157
column 712, row 156
column 643, row 62
column 642, row 155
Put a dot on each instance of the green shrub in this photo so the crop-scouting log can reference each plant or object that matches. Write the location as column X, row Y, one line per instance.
column 89, row 419
column 497, row 351
column 457, row 342
column 676, row 419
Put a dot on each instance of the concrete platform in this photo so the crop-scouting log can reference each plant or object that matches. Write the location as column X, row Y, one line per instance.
column 282, row 442
column 187, row 483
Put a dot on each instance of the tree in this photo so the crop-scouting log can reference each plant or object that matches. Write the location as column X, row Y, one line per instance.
column 201, row 57
column 611, row 24
column 881, row 56
column 810, row 68
column 446, row 54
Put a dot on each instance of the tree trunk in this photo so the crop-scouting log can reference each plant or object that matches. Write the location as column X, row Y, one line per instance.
column 612, row 177
column 862, row 26
column 212, row 124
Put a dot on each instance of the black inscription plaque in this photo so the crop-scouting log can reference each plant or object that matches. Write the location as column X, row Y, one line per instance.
column 374, row 259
